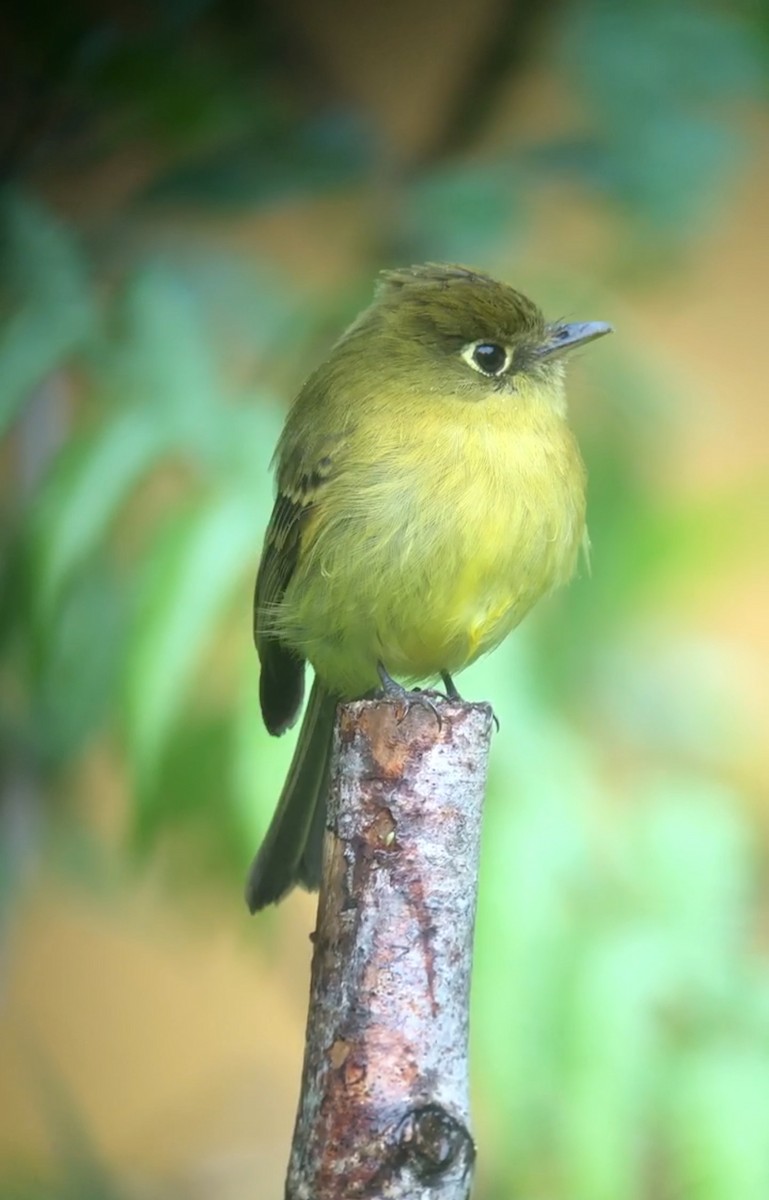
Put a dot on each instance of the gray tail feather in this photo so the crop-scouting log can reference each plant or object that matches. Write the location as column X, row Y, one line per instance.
column 291, row 852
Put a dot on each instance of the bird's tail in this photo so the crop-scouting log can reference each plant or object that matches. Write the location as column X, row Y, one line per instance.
column 291, row 852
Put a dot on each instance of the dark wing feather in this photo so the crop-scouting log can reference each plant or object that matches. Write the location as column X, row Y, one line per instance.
column 281, row 685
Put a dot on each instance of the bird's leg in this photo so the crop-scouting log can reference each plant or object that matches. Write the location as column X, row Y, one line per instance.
column 450, row 686
column 453, row 694
column 396, row 691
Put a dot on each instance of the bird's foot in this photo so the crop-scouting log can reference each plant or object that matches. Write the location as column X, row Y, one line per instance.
column 453, row 694
column 393, row 690
column 450, row 686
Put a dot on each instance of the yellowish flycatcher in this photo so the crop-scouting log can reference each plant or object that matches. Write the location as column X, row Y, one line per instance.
column 429, row 492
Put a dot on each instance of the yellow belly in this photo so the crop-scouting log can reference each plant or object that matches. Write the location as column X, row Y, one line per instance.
column 425, row 569
column 496, row 568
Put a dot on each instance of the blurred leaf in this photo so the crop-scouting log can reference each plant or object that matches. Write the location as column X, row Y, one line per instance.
column 193, row 568
column 288, row 158
column 21, row 819
column 162, row 363
column 646, row 58
column 663, row 692
column 202, row 100
column 78, row 662
column 460, row 213
column 61, row 1184
column 645, row 544
column 76, row 1170
column 189, row 794
column 85, row 491
column 609, row 1068
column 719, row 1123
column 45, row 300
column 597, row 955
column 703, row 909
column 257, row 763
column 656, row 77
column 535, row 859
column 249, row 312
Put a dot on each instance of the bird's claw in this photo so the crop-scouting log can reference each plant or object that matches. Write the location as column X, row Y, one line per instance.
column 395, row 691
column 419, row 699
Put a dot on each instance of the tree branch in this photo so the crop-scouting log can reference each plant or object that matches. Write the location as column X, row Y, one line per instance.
column 384, row 1107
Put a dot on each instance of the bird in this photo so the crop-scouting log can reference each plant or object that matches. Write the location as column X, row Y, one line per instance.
column 429, row 492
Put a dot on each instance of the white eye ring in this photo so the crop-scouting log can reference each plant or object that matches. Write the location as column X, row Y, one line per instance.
column 487, row 357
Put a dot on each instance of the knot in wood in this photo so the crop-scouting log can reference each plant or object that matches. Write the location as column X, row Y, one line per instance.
column 432, row 1140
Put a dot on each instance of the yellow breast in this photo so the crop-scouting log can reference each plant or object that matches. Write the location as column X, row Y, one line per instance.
column 515, row 501
column 427, row 555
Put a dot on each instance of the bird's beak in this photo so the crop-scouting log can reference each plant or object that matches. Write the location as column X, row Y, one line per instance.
column 563, row 338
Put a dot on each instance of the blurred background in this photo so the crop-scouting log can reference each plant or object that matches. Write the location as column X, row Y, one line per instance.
column 196, row 196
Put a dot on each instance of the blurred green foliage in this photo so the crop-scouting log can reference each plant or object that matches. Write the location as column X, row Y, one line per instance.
column 621, row 1013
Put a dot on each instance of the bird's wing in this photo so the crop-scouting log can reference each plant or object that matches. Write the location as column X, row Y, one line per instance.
column 281, row 686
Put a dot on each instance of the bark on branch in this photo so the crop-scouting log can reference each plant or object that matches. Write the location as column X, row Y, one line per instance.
column 384, row 1109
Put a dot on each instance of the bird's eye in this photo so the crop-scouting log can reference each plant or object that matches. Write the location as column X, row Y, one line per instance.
column 487, row 357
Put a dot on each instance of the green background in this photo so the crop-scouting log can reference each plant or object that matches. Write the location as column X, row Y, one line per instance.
column 196, row 198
